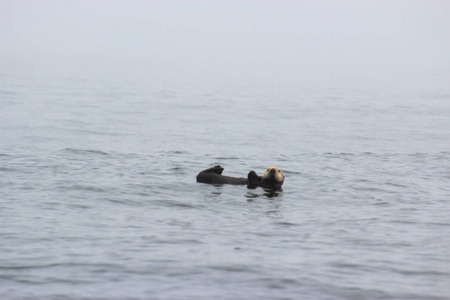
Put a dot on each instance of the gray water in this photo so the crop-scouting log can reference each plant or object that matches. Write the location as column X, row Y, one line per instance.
column 99, row 199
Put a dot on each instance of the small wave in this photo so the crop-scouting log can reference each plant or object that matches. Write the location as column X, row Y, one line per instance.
column 178, row 241
column 416, row 272
column 8, row 93
column 438, row 224
column 339, row 154
column 6, row 169
column 233, row 268
column 174, row 203
column 390, row 183
column 173, row 152
column 80, row 187
column 286, row 224
column 227, row 158
column 84, row 152
column 292, row 172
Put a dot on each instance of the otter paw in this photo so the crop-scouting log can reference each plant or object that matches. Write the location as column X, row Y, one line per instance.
column 216, row 169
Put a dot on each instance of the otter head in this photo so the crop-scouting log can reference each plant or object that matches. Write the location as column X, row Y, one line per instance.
column 273, row 177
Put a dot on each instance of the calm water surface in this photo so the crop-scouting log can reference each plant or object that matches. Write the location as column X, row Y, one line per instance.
column 99, row 199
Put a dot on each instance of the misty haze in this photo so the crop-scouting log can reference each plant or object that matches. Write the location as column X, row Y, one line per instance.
column 110, row 109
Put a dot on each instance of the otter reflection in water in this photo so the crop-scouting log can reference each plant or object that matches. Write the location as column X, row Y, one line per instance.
column 273, row 178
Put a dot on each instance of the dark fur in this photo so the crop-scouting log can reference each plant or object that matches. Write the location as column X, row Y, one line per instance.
column 214, row 176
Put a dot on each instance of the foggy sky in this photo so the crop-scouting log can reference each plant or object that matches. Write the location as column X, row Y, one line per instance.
column 265, row 35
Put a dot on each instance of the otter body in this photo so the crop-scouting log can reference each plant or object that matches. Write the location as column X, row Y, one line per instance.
column 214, row 176
column 273, row 178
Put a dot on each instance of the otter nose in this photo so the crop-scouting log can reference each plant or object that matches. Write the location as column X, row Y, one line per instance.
column 272, row 171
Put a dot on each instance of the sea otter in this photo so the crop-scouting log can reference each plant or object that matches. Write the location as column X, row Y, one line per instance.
column 273, row 178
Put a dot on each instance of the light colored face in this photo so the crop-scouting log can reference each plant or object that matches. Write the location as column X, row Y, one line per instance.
column 274, row 172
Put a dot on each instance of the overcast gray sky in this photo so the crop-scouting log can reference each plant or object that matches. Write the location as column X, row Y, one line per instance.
column 259, row 34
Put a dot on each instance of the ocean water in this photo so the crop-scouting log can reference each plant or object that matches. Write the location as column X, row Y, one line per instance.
column 99, row 198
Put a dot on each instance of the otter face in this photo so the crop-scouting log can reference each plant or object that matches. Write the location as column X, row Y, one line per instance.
column 274, row 176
